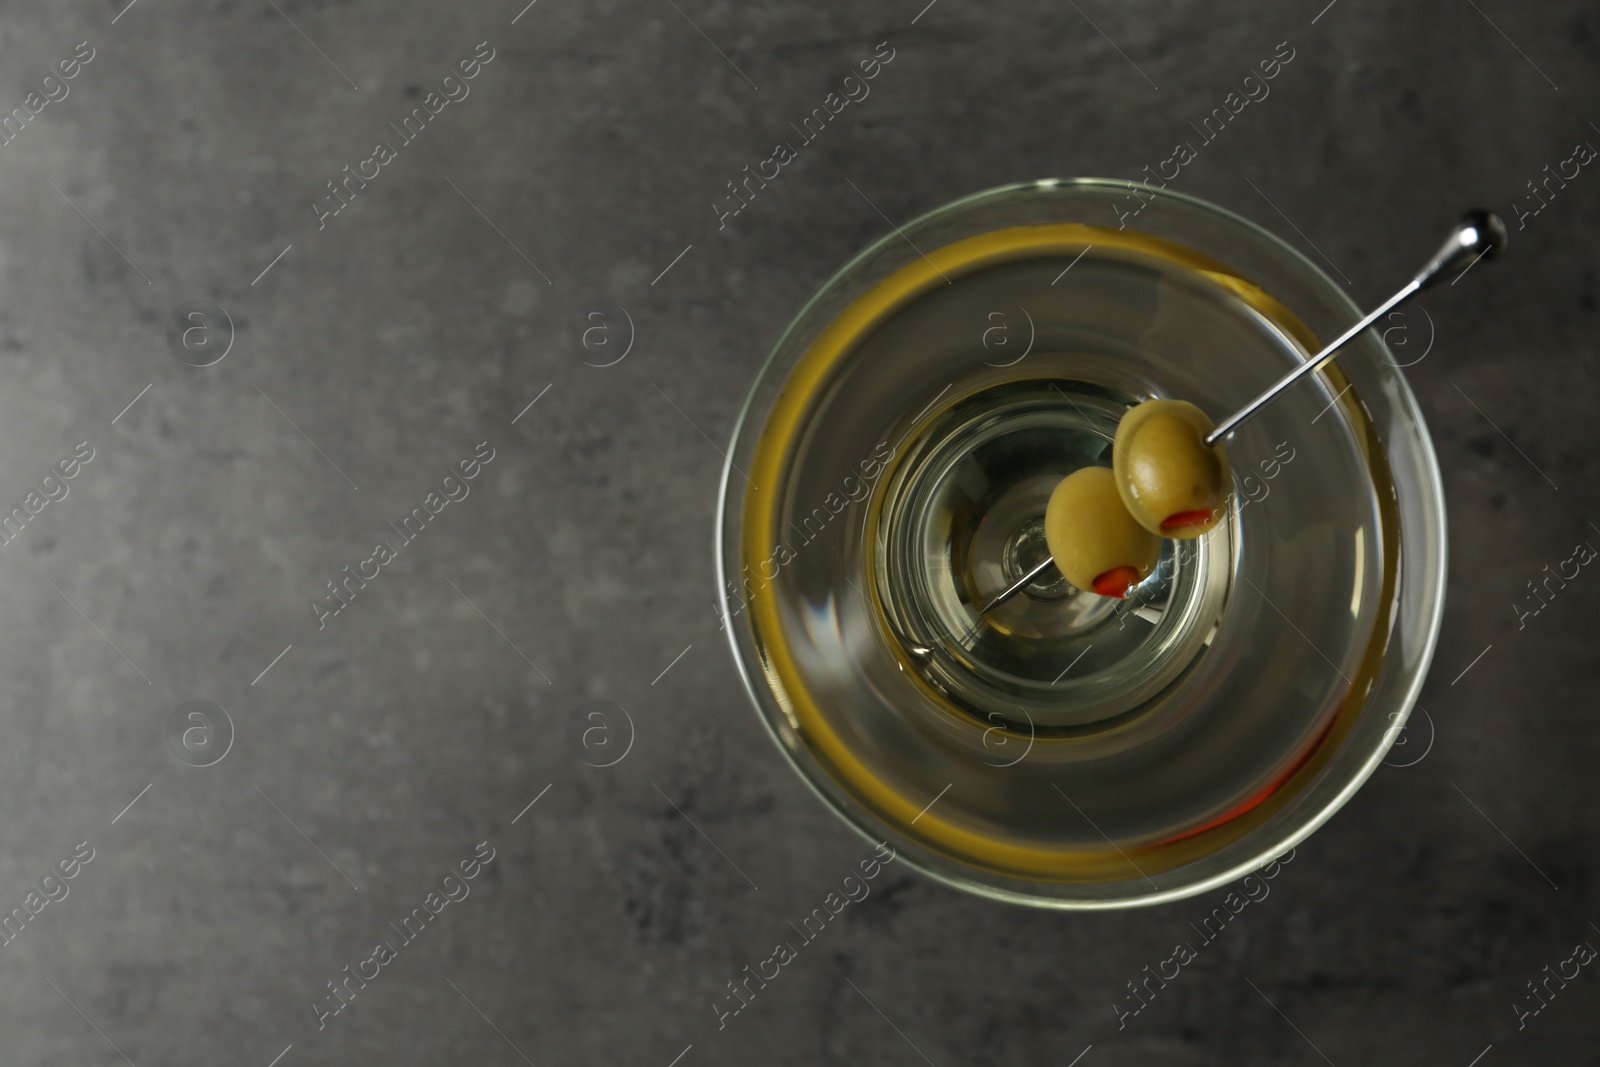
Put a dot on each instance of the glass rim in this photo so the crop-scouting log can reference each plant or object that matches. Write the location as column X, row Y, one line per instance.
column 1430, row 612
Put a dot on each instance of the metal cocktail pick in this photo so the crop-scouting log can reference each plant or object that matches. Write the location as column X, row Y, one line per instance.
column 1479, row 235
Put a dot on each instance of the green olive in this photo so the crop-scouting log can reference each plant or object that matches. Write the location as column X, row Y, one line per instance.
column 1094, row 541
column 1170, row 481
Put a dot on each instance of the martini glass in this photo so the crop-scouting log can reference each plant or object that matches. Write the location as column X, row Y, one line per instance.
column 888, row 477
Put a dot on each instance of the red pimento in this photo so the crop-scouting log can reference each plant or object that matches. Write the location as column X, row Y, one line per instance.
column 1116, row 582
column 1179, row 520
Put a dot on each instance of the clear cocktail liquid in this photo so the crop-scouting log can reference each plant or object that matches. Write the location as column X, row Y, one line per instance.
column 1071, row 735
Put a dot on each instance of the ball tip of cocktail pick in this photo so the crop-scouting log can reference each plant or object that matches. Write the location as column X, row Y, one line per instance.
column 1484, row 233
column 1480, row 234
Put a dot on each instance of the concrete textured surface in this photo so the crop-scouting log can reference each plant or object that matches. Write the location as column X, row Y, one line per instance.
column 375, row 349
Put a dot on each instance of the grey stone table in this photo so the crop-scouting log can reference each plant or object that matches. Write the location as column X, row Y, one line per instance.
column 203, row 178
